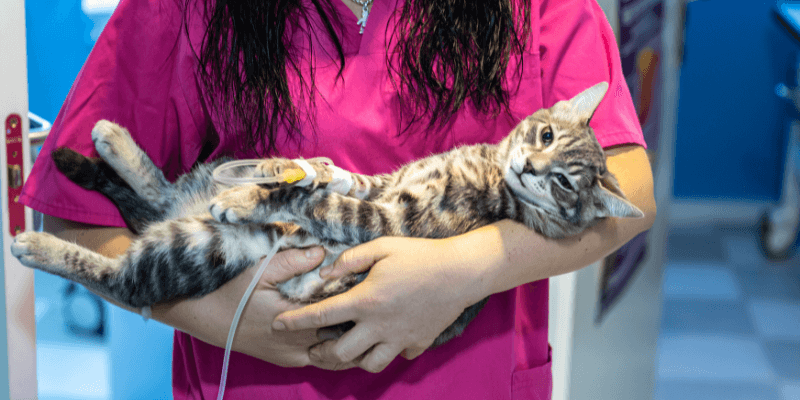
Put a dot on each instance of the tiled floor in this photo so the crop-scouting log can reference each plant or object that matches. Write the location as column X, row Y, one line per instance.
column 74, row 365
column 730, row 320
column 69, row 366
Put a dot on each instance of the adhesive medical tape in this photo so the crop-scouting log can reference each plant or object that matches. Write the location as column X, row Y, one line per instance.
column 311, row 173
column 341, row 181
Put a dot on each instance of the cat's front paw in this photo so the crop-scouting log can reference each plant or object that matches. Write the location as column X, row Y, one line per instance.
column 273, row 167
column 293, row 171
column 238, row 205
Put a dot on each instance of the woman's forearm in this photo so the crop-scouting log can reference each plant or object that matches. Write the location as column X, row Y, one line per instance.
column 112, row 242
column 508, row 254
column 108, row 241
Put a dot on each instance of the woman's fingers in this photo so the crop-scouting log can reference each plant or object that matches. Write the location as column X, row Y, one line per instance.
column 332, row 311
column 354, row 349
column 413, row 352
column 355, row 260
column 319, row 356
column 290, row 263
column 377, row 359
column 347, row 349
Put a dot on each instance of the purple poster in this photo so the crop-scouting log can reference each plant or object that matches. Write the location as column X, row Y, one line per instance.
column 640, row 49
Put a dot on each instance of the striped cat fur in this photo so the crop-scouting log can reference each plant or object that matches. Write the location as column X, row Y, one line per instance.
column 196, row 234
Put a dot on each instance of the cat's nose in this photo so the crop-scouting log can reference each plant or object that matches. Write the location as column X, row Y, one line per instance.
column 528, row 168
column 535, row 166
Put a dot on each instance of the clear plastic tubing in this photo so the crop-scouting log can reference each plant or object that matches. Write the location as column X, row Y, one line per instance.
column 238, row 315
column 220, row 175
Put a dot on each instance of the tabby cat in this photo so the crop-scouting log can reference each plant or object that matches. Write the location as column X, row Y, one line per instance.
column 197, row 233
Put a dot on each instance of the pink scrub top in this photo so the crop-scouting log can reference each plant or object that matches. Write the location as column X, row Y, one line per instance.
column 142, row 75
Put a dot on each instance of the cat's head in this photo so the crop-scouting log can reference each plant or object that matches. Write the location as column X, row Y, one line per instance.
column 553, row 162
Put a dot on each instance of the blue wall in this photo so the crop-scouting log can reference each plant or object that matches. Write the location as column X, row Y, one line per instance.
column 731, row 126
column 58, row 44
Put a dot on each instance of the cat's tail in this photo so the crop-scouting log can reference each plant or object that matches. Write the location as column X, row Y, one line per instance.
column 96, row 174
column 80, row 169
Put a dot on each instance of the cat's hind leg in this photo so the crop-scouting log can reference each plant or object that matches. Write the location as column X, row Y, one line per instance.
column 117, row 148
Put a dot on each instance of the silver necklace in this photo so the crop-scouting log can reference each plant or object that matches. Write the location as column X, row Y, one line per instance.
column 364, row 13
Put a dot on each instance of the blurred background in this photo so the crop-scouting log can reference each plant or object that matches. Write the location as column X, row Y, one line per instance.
column 704, row 306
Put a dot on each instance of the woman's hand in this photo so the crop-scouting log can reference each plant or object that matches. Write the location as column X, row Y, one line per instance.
column 415, row 289
column 209, row 318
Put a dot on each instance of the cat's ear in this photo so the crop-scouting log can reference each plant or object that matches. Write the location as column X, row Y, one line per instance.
column 613, row 201
column 585, row 103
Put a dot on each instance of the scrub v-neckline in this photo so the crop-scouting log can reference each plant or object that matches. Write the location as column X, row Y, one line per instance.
column 354, row 42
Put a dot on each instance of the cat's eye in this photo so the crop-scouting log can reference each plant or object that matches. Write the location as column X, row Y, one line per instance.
column 547, row 136
column 564, row 181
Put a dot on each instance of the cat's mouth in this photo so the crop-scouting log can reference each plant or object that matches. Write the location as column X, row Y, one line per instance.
column 533, row 184
column 528, row 188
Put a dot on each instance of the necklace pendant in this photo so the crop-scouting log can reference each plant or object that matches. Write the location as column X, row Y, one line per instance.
column 364, row 15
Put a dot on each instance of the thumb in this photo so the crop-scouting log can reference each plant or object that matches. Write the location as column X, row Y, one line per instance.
column 412, row 353
column 287, row 264
column 354, row 260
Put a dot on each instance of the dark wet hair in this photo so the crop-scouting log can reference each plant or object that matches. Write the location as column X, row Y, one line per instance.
column 447, row 52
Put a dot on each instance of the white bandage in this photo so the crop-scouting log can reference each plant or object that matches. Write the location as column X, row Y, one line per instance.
column 341, row 181
column 311, row 173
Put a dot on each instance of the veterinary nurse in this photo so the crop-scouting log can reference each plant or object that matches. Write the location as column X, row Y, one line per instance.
column 193, row 81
